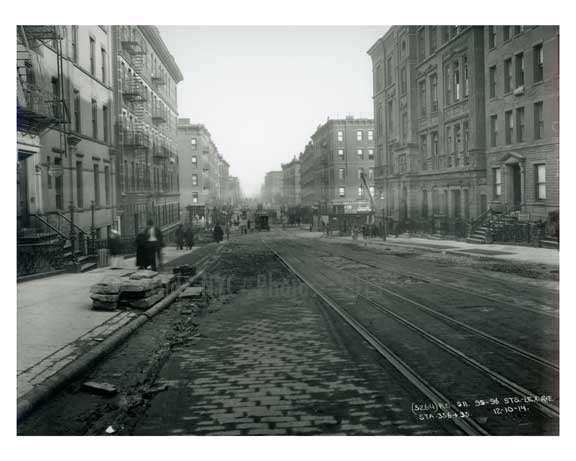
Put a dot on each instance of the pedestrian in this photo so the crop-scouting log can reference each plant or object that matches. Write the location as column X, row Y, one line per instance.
column 115, row 249
column 180, row 237
column 227, row 231
column 218, row 233
column 141, row 251
column 153, row 246
column 189, row 237
column 248, row 230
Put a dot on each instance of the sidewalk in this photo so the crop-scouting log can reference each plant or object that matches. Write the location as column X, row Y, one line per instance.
column 56, row 323
column 501, row 252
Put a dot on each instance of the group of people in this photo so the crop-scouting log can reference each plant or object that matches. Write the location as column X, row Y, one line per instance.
column 184, row 236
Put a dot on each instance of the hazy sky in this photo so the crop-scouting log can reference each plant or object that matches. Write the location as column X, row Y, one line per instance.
column 262, row 91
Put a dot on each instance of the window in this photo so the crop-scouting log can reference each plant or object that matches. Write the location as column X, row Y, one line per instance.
column 75, row 43
column 509, row 122
column 457, row 138
column 77, row 112
column 359, row 135
column 107, row 185
column 49, row 177
column 360, row 153
column 341, row 154
column 96, row 185
column 194, row 160
column 379, row 119
column 449, row 144
column 56, row 96
column 448, row 84
column 92, row 56
column 389, row 71
column 466, row 133
column 421, row 45
column 497, row 179
column 341, row 173
column 506, row 33
column 370, row 154
column 434, row 143
column 194, row 197
column 422, row 86
column 423, row 145
column 389, row 120
column 491, row 37
column 94, row 119
column 370, row 135
column 540, row 182
column 519, row 69
column 538, row 120
column 371, row 173
column 340, row 135
column 403, row 81
column 404, row 125
column 492, row 81
column 520, row 124
column 493, row 130
column 79, row 185
column 434, row 93
column 456, row 81
column 518, row 30
column 105, row 122
column 341, row 192
column 194, row 179
column 538, row 58
column 103, row 57
column 378, row 79
column 466, row 82
column 508, row 75
column 360, row 192
column 360, row 172
column 433, row 39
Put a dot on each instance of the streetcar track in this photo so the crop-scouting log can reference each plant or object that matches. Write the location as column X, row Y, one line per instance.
column 468, row 426
column 546, row 409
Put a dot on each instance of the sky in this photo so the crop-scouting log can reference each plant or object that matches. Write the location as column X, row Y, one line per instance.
column 263, row 91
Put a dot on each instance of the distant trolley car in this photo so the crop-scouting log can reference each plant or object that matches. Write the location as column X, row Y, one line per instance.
column 261, row 222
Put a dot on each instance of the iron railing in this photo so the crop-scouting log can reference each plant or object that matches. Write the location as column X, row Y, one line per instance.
column 34, row 258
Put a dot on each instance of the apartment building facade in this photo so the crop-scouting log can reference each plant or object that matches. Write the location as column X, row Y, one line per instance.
column 146, row 78
column 461, row 124
column 522, row 116
column 291, row 193
column 66, row 159
column 200, row 170
column 430, row 125
column 272, row 189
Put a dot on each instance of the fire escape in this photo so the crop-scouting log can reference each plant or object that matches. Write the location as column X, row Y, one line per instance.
column 42, row 246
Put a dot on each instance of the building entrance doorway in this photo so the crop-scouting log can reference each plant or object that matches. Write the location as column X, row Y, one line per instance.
column 23, row 212
column 516, row 186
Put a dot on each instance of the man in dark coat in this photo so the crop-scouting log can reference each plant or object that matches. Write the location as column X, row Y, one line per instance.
column 189, row 237
column 141, row 251
column 153, row 246
column 218, row 233
column 180, row 237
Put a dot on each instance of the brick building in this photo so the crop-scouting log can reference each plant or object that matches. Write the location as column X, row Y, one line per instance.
column 430, row 137
column 522, row 116
column 146, row 78
column 291, row 195
column 341, row 149
column 201, row 166
column 65, row 114
column 441, row 96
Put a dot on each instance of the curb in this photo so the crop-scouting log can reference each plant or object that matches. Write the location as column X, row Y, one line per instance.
column 447, row 251
column 31, row 400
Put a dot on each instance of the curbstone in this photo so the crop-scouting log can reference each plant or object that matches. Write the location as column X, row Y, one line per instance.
column 32, row 399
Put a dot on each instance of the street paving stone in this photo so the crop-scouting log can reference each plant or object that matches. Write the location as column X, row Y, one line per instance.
column 269, row 365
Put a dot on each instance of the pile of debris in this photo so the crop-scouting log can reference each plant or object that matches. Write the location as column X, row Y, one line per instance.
column 140, row 290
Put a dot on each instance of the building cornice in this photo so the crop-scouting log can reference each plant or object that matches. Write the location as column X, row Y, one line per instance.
column 152, row 34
